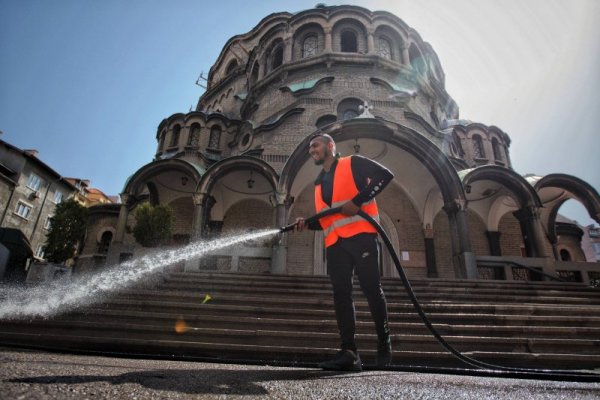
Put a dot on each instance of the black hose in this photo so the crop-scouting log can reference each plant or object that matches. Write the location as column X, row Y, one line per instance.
column 509, row 371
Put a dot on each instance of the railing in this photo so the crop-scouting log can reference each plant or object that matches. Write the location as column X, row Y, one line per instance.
column 538, row 269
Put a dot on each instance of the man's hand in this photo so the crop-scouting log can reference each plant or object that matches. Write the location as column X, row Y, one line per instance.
column 349, row 208
column 299, row 224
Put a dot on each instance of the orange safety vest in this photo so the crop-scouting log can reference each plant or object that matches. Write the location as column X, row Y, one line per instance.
column 344, row 189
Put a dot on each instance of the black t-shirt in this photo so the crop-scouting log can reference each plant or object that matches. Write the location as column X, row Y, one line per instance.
column 370, row 179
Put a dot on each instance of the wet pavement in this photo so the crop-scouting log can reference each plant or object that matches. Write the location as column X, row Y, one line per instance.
column 26, row 374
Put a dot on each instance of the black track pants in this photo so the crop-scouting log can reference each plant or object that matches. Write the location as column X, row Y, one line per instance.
column 358, row 253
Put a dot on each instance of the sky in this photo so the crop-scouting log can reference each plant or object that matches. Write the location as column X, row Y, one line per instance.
column 87, row 82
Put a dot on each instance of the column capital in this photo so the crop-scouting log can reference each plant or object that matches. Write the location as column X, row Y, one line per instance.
column 126, row 198
column 454, row 206
column 198, row 198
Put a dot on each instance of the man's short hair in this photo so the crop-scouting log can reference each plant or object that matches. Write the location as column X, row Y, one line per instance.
column 326, row 138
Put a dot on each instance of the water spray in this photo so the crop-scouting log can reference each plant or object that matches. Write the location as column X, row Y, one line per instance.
column 59, row 296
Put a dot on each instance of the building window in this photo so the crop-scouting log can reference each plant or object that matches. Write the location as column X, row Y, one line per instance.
column 23, row 210
column 57, row 197
column 175, row 137
column 478, row 151
column 231, row 67
column 565, row 255
column 348, row 108
column 385, row 48
column 277, row 59
column 161, row 144
column 34, row 182
column 349, row 42
column 194, row 135
column 105, row 241
column 48, row 223
column 325, row 120
column 215, row 137
column 496, row 149
column 39, row 252
column 310, row 46
column 349, row 114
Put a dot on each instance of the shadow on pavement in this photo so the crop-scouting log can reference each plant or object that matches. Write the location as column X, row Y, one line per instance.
column 216, row 381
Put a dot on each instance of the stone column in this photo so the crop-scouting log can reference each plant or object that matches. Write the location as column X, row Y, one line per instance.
column 531, row 230
column 287, row 53
column 123, row 215
column 370, row 42
column 494, row 242
column 328, row 40
column 430, row 252
column 279, row 254
column 465, row 265
column 405, row 57
column 198, row 213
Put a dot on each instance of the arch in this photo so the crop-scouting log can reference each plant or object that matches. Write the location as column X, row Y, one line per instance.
column 577, row 189
column 409, row 140
column 175, row 136
column 104, row 240
column 302, row 49
column 229, row 164
column 524, row 193
column 325, row 120
column 348, row 108
column 139, row 180
column 349, row 36
column 231, row 67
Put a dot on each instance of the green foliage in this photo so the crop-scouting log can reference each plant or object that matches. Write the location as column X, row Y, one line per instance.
column 153, row 224
column 67, row 229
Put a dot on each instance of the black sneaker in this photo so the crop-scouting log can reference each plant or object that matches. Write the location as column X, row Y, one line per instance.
column 344, row 360
column 384, row 355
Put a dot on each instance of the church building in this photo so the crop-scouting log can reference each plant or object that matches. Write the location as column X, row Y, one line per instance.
column 456, row 208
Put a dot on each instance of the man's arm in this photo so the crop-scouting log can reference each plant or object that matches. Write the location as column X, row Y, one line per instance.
column 372, row 176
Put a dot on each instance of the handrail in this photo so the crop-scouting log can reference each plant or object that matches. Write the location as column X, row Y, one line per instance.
column 531, row 269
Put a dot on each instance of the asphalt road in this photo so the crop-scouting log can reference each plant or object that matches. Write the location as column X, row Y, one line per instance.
column 40, row 375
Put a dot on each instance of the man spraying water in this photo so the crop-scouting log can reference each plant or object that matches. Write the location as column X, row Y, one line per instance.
column 351, row 244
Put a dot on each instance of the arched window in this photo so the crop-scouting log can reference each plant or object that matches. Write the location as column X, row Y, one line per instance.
column 496, row 149
column 348, row 108
column 231, row 67
column 349, row 42
column 277, row 59
column 385, row 48
column 310, row 46
column 215, row 137
column 478, row 151
column 105, row 242
column 175, row 136
column 161, row 144
column 194, row 135
column 565, row 255
column 325, row 120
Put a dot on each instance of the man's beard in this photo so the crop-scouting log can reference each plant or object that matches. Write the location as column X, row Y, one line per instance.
column 321, row 161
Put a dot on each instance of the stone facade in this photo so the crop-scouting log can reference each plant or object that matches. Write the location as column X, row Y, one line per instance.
column 239, row 161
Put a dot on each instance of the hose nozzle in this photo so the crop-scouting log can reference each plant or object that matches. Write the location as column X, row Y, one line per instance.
column 287, row 228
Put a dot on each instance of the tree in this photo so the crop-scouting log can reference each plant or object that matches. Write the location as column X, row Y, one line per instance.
column 153, row 224
column 67, row 229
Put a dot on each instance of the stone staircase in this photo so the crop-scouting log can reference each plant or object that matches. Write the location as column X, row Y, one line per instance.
column 290, row 319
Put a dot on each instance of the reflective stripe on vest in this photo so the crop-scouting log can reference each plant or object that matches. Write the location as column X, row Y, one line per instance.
column 344, row 189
